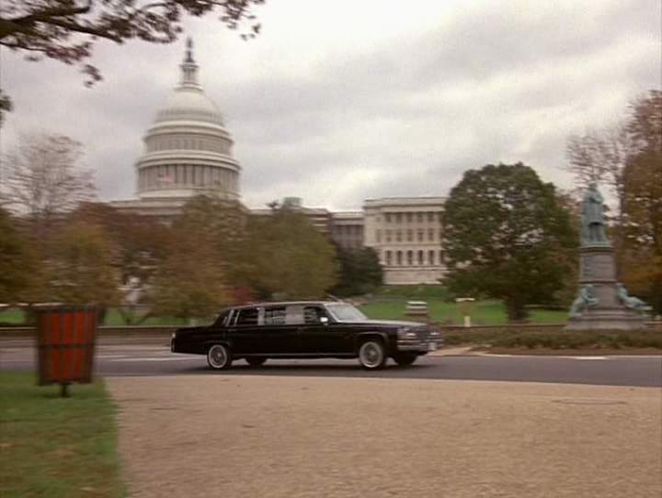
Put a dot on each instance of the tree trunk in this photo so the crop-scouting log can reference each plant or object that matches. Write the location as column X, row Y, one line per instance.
column 516, row 310
column 102, row 314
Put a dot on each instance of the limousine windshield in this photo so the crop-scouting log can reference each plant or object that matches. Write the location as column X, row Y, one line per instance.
column 345, row 313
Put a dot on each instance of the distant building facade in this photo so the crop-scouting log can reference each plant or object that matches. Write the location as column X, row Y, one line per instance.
column 347, row 229
column 344, row 228
column 406, row 234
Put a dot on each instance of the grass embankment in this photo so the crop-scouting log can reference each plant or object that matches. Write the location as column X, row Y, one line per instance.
column 57, row 447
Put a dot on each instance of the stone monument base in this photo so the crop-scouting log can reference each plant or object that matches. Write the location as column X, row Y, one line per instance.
column 608, row 320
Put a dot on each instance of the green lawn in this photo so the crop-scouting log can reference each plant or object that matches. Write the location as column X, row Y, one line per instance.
column 113, row 317
column 415, row 292
column 12, row 316
column 57, row 447
column 483, row 313
column 389, row 303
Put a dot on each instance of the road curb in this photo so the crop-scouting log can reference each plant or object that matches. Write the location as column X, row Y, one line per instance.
column 455, row 351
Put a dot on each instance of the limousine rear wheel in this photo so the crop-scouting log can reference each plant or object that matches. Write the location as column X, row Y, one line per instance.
column 372, row 355
column 219, row 357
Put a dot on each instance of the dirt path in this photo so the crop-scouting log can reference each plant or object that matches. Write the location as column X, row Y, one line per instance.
column 252, row 436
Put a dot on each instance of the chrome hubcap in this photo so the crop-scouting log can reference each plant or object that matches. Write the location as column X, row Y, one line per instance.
column 217, row 356
column 371, row 354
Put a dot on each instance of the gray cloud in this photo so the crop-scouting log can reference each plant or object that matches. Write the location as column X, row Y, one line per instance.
column 405, row 115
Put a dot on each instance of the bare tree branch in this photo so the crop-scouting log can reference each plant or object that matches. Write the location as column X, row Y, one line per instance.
column 44, row 178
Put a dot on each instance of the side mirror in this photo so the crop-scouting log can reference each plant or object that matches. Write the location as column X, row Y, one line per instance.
column 324, row 320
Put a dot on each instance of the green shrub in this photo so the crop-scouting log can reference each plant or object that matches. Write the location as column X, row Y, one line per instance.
column 554, row 339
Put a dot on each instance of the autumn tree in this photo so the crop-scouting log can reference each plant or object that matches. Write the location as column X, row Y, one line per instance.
column 81, row 269
column 642, row 207
column 140, row 244
column 198, row 274
column 287, row 257
column 18, row 262
column 191, row 282
column 507, row 236
column 642, row 248
column 67, row 30
column 224, row 223
column 43, row 178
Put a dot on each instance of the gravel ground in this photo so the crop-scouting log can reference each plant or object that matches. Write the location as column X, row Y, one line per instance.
column 254, row 436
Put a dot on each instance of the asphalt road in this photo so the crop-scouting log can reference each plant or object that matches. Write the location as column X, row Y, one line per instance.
column 156, row 360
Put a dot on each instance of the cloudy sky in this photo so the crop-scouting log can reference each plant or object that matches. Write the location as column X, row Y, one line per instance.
column 336, row 102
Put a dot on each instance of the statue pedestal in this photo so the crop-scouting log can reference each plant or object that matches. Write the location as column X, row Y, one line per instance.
column 623, row 319
column 597, row 269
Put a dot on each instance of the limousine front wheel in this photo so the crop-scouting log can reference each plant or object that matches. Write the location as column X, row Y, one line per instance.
column 219, row 357
column 372, row 355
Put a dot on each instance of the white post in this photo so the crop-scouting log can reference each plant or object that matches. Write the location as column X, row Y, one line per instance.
column 465, row 304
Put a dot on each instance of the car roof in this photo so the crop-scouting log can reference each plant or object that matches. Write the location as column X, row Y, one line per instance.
column 284, row 303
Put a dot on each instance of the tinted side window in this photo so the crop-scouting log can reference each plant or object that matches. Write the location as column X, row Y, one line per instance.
column 221, row 321
column 274, row 316
column 294, row 315
column 312, row 315
column 247, row 316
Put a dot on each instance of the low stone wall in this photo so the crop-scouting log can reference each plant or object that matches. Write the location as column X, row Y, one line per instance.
column 535, row 327
column 131, row 334
column 653, row 326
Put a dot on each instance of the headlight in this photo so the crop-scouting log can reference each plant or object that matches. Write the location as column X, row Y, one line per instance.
column 407, row 334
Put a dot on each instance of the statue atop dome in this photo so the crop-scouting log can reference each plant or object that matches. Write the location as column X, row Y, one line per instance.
column 189, row 67
column 189, row 50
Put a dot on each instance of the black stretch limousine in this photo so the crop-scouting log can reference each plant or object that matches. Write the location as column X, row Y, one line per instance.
column 305, row 329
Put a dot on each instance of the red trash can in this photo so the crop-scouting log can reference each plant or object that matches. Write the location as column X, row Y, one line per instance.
column 66, row 337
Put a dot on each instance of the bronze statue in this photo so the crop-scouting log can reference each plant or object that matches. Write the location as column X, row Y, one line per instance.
column 586, row 299
column 628, row 301
column 593, row 219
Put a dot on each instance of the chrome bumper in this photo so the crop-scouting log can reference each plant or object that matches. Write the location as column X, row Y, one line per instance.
column 418, row 345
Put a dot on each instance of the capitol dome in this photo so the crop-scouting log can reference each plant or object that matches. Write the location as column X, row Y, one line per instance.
column 190, row 103
column 188, row 150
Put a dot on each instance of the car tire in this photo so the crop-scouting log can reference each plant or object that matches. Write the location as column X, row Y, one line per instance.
column 405, row 359
column 255, row 361
column 219, row 357
column 372, row 354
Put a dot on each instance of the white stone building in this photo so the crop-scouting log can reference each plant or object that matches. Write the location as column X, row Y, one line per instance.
column 406, row 233
column 347, row 229
column 188, row 151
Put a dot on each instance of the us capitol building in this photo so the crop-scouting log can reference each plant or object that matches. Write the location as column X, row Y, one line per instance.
column 188, row 152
